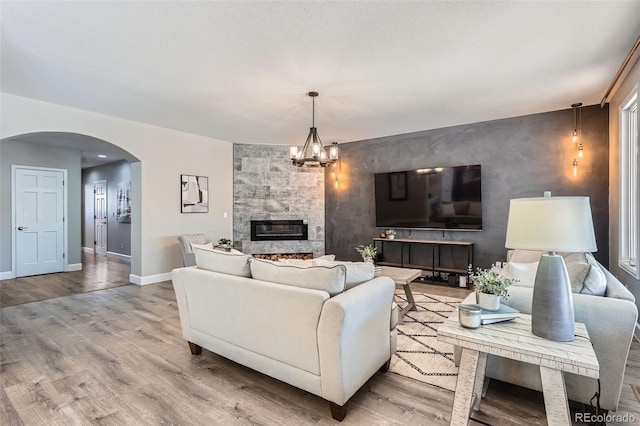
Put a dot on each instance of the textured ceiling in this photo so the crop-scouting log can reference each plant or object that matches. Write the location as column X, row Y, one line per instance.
column 239, row 71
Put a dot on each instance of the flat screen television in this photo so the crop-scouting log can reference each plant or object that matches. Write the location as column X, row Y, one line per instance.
column 430, row 198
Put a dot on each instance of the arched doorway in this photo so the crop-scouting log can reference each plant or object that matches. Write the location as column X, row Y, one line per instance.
column 71, row 152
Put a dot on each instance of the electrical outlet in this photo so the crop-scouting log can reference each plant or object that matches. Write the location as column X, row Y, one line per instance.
column 121, row 245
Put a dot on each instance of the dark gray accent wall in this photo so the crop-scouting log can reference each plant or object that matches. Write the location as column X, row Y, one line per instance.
column 118, row 234
column 520, row 157
column 266, row 186
column 29, row 154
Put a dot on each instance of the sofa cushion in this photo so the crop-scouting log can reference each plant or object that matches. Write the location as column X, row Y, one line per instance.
column 523, row 272
column 303, row 263
column 357, row 272
column 327, row 278
column 232, row 263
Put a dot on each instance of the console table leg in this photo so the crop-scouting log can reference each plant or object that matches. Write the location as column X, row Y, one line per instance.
column 464, row 387
column 555, row 397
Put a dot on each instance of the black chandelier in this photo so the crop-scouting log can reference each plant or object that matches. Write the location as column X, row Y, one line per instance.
column 313, row 153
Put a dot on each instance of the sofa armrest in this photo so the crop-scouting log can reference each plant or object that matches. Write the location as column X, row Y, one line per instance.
column 610, row 323
column 354, row 339
column 615, row 288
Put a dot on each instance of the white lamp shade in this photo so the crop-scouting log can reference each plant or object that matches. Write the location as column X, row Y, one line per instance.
column 561, row 224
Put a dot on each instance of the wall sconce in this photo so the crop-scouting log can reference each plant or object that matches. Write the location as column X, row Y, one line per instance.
column 577, row 135
column 335, row 172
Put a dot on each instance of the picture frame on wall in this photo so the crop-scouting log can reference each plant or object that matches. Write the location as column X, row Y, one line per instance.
column 194, row 195
column 123, row 200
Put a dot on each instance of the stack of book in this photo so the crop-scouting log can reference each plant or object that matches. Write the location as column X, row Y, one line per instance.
column 505, row 313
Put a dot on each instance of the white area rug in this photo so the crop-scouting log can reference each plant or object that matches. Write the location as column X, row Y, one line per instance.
column 419, row 354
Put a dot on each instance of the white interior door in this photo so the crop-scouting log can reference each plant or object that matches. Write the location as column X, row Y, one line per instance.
column 39, row 221
column 100, row 216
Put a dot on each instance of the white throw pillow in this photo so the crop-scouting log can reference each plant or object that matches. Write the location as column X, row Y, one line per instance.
column 524, row 256
column 523, row 272
column 207, row 246
column 326, row 278
column 595, row 282
column 357, row 272
column 585, row 274
column 232, row 263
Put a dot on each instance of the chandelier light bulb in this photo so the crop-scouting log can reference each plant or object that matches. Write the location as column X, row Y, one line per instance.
column 323, row 154
column 580, row 151
column 575, row 168
column 293, row 152
column 333, row 151
column 575, row 136
column 316, row 149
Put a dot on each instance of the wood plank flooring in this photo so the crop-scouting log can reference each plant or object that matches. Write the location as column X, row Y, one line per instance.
column 98, row 273
column 117, row 357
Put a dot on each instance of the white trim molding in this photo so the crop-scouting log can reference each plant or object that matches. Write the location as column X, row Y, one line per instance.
column 89, row 250
column 629, row 176
column 7, row 275
column 73, row 267
column 119, row 256
column 149, row 279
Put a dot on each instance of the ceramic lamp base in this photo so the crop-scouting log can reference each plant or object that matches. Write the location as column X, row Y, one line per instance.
column 552, row 315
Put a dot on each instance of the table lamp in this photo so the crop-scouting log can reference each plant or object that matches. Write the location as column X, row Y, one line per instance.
column 551, row 224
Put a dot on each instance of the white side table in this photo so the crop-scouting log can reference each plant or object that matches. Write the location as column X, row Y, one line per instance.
column 513, row 339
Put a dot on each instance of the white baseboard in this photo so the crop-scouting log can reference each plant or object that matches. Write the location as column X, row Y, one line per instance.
column 119, row 256
column 636, row 332
column 89, row 250
column 7, row 275
column 73, row 267
column 149, row 279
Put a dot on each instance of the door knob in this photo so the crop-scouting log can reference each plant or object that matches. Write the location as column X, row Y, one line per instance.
column 20, row 228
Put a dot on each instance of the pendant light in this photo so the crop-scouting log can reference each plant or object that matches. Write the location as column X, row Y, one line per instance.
column 313, row 153
column 577, row 135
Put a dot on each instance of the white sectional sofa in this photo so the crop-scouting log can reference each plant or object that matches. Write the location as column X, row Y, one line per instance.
column 295, row 324
column 600, row 301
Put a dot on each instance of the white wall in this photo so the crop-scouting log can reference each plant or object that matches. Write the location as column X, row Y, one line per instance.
column 632, row 78
column 164, row 154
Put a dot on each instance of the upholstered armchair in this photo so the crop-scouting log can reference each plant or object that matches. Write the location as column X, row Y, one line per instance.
column 185, row 243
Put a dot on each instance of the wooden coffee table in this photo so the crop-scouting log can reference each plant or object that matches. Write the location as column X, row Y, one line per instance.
column 402, row 276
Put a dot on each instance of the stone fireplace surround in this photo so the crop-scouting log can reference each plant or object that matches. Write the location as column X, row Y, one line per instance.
column 266, row 186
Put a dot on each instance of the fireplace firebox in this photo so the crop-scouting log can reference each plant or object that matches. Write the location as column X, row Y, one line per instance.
column 279, row 230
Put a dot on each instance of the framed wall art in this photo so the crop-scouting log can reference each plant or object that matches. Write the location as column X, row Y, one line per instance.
column 123, row 195
column 194, row 196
